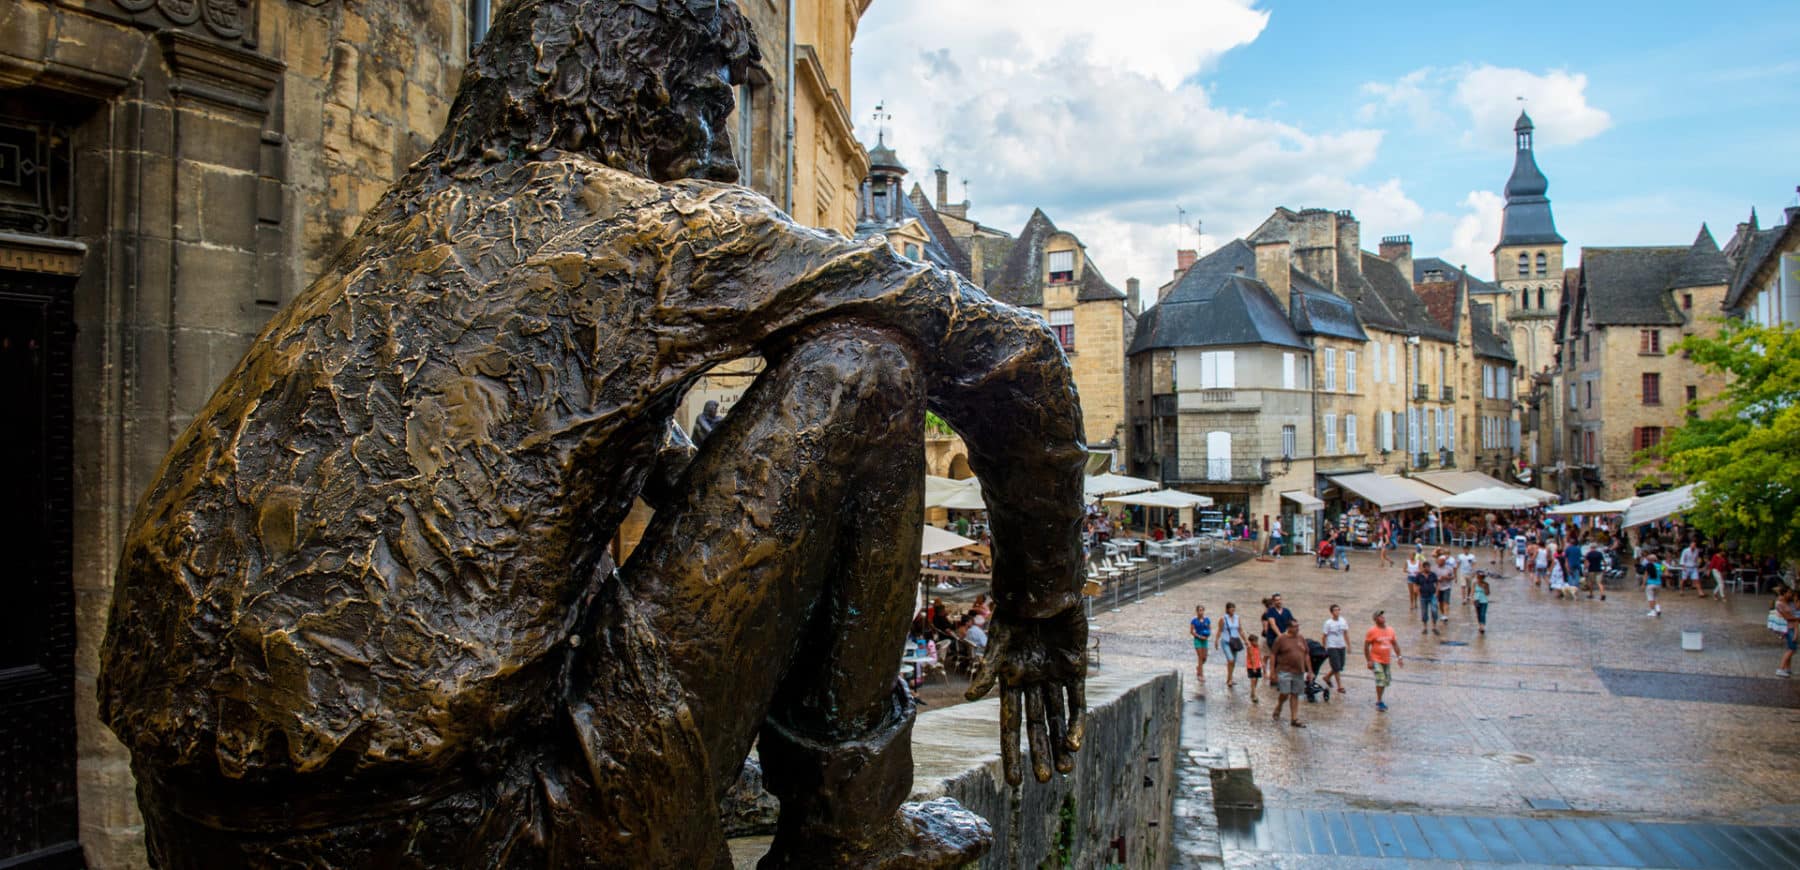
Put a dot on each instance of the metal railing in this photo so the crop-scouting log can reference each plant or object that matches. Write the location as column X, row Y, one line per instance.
column 1421, row 391
column 1149, row 577
column 1448, row 394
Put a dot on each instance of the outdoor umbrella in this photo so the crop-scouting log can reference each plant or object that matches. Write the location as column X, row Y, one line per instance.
column 1493, row 498
column 1101, row 485
column 960, row 495
column 938, row 541
column 1162, row 498
column 1591, row 507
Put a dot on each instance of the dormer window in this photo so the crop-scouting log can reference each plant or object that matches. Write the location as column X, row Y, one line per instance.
column 1433, row 276
column 1062, row 266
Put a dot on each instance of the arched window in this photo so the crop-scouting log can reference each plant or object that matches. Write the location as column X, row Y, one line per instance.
column 1540, row 297
column 1543, row 264
column 1524, row 264
column 1525, row 297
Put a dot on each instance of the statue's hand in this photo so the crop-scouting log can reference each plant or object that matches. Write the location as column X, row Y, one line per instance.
column 1042, row 665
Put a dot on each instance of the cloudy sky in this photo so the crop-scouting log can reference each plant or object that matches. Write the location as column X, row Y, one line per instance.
column 1652, row 117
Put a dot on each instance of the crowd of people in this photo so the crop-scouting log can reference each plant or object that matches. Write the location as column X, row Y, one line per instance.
column 1277, row 653
column 954, row 641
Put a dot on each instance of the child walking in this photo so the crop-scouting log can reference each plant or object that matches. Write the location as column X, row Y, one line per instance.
column 1253, row 663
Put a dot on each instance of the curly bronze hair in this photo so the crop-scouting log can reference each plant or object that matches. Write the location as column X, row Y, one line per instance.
column 639, row 85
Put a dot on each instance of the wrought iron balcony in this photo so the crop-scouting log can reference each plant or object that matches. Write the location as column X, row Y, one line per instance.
column 1421, row 392
column 1448, row 394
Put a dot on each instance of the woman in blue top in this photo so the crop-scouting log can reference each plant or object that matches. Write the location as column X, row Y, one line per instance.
column 1201, row 629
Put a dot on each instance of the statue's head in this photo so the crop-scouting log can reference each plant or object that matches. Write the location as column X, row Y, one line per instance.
column 644, row 86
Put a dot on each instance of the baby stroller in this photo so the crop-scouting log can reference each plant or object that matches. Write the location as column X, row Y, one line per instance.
column 1314, row 688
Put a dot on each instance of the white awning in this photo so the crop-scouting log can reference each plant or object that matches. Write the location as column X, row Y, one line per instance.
column 1162, row 498
column 1592, row 507
column 1100, row 485
column 1650, row 508
column 961, row 495
column 1304, row 499
column 1379, row 491
column 1431, row 495
column 1493, row 498
column 1542, row 496
column 1459, row 482
column 937, row 540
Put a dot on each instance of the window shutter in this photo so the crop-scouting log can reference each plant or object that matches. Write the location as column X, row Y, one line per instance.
column 1350, row 433
column 1287, row 371
column 1062, row 261
column 1227, row 369
column 1209, row 370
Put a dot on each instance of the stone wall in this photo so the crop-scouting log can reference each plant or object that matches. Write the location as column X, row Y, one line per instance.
column 1119, row 796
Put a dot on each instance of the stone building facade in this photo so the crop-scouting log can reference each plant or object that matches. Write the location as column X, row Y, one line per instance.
column 187, row 165
column 1625, row 385
column 1765, row 271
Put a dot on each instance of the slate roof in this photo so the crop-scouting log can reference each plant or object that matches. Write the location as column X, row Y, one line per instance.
column 1758, row 248
column 1326, row 314
column 1406, row 312
column 1439, row 298
column 1021, row 278
column 1477, row 287
column 1488, row 342
column 1527, row 219
column 1704, row 266
column 1213, row 304
column 959, row 258
column 1380, row 279
column 1631, row 286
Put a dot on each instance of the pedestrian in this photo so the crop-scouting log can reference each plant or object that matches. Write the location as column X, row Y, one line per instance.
column 1336, row 636
column 1253, row 663
column 1275, row 619
column 1718, row 566
column 1275, row 539
column 1497, row 534
column 1653, row 581
column 1465, row 572
column 1518, row 544
column 1384, row 541
column 1559, row 581
column 1428, row 602
column 1596, row 571
column 1231, row 641
column 1482, row 595
column 1381, row 650
column 1572, row 563
column 1293, row 668
column 1340, row 540
column 1788, row 609
column 1415, row 565
column 1540, row 562
column 1201, row 629
column 1690, row 569
column 1446, row 573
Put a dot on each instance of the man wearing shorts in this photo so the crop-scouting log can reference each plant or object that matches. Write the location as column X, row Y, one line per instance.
column 1293, row 667
column 1381, row 649
column 1337, row 633
column 1653, row 581
column 1690, row 570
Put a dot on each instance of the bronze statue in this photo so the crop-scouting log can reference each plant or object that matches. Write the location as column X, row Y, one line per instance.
column 366, row 618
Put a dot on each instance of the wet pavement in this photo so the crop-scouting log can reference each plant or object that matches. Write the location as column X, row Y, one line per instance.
column 1583, row 710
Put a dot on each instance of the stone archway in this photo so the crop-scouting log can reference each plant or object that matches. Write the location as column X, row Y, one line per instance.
column 959, row 467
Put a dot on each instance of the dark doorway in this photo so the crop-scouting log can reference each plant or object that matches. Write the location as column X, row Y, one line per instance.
column 38, row 821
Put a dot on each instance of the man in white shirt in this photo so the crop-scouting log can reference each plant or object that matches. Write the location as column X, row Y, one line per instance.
column 1690, row 570
column 1275, row 538
column 1337, row 629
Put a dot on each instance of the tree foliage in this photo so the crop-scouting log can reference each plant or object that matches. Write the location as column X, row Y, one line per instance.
column 1744, row 445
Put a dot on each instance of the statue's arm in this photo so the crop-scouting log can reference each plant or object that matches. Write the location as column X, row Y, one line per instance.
column 740, row 276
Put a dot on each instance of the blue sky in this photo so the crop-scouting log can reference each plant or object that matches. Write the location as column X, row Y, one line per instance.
column 1652, row 117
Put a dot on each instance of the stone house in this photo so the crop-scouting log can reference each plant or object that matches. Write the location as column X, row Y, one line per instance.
column 1047, row 270
column 1765, row 271
column 1625, row 386
column 187, row 168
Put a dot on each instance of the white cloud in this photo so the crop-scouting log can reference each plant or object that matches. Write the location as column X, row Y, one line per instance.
column 1477, row 230
column 1108, row 131
column 1483, row 102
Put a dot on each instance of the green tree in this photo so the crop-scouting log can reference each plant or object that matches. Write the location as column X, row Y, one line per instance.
column 1743, row 445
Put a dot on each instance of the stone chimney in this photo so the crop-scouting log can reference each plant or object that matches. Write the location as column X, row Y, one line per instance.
column 1349, row 245
column 943, row 188
column 1274, row 259
column 1398, row 250
column 1184, row 260
column 1132, row 288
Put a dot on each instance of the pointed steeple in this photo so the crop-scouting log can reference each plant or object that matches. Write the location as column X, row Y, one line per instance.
column 1527, row 219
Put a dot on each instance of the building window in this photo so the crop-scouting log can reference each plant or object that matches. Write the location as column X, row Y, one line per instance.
column 1524, row 265
column 1330, row 369
column 1573, row 404
column 1443, row 368
column 1650, row 341
column 1062, row 267
column 1375, row 360
column 912, row 251
column 1646, row 437
column 1437, row 429
column 1062, row 322
column 481, row 13
column 1330, row 434
column 1687, row 301
column 1393, row 363
column 1541, row 304
column 1693, row 402
column 1587, row 346
column 1349, row 371
column 1287, row 372
column 1384, row 432
column 1593, row 453
column 1218, row 370
column 1290, row 442
column 1450, row 429
column 1350, row 433
column 1543, row 269
column 1525, row 298
column 1218, row 456
column 1590, row 394
column 1652, row 388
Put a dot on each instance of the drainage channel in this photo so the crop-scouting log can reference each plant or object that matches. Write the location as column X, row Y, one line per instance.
column 1245, row 835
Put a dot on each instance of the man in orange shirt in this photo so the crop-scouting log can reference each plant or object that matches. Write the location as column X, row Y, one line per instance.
column 1381, row 649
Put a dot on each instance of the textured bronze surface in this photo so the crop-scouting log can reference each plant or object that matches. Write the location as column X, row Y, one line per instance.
column 365, row 616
